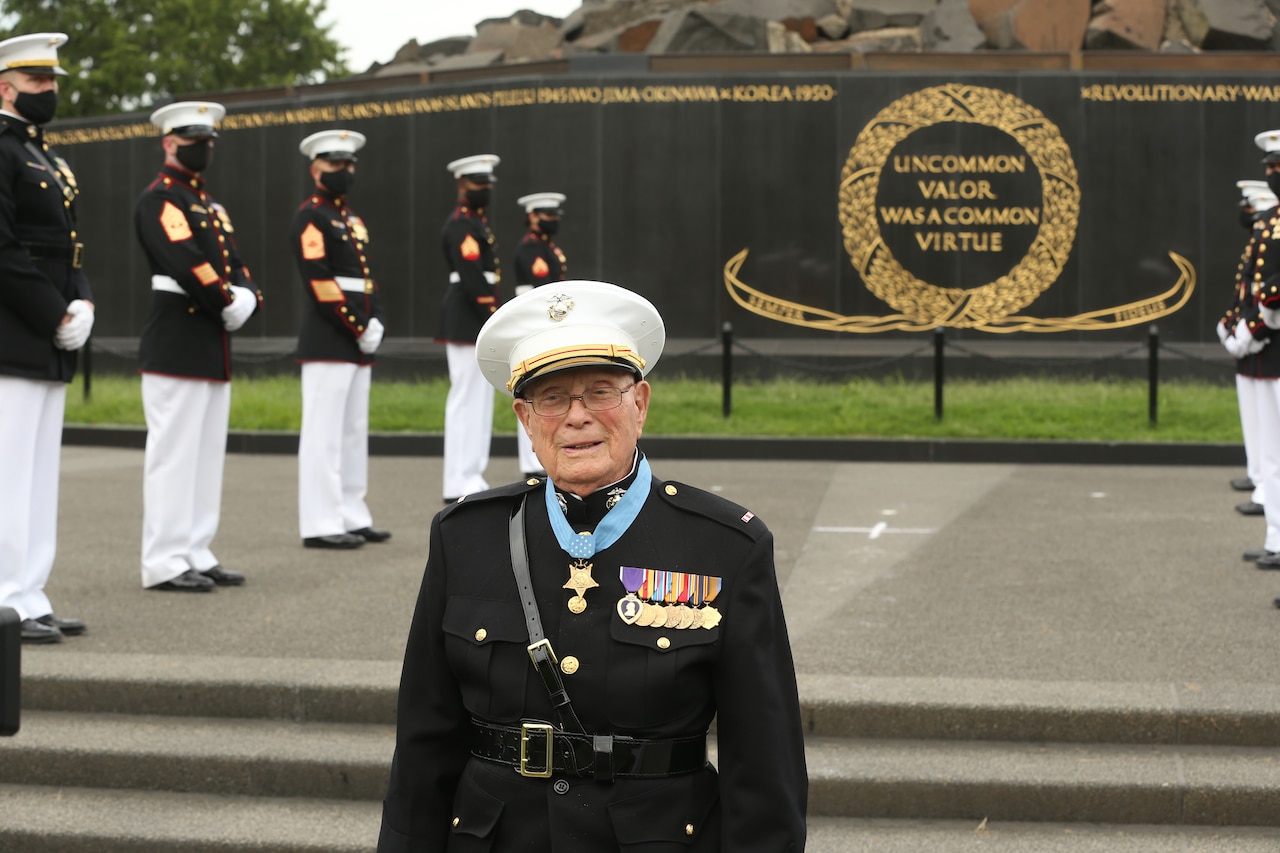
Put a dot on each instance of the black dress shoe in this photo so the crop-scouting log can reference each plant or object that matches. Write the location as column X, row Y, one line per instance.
column 336, row 540
column 189, row 581
column 35, row 631
column 1242, row 484
column 1250, row 508
column 372, row 534
column 222, row 577
column 1255, row 555
column 1271, row 560
column 69, row 627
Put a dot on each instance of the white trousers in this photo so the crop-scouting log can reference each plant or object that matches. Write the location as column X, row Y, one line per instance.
column 468, row 423
column 333, row 448
column 1268, row 400
column 182, row 473
column 31, row 435
column 1247, row 395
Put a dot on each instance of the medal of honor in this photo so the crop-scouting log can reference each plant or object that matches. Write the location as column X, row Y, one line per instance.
column 580, row 581
column 630, row 607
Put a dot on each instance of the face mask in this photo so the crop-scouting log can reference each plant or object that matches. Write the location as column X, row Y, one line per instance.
column 195, row 158
column 549, row 226
column 338, row 183
column 479, row 198
column 1273, row 181
column 38, row 108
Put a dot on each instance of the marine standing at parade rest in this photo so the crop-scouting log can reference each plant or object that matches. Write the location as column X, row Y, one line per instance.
column 559, row 681
column 46, row 315
column 1255, row 205
column 201, row 292
column 471, row 252
column 538, row 261
column 341, row 330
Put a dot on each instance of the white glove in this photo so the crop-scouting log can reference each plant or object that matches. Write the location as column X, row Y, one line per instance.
column 1223, row 333
column 372, row 337
column 1246, row 339
column 523, row 288
column 1271, row 317
column 242, row 304
column 73, row 334
column 1235, row 347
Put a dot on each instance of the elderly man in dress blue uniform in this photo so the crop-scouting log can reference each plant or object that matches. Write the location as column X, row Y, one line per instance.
column 342, row 328
column 471, row 252
column 559, row 681
column 201, row 293
column 46, row 315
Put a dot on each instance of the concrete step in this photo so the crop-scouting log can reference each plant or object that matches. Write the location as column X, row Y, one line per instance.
column 848, row 835
column 264, row 758
column 36, row 819
column 1092, row 783
column 1089, row 783
column 318, row 690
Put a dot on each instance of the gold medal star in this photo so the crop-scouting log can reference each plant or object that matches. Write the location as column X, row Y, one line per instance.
column 580, row 578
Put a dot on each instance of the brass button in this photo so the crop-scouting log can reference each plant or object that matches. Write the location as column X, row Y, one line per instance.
column 671, row 490
column 664, row 643
column 569, row 665
column 532, row 481
column 457, row 820
column 43, row 185
column 481, row 634
column 688, row 829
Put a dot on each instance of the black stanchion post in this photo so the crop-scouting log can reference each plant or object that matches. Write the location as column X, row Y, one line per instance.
column 87, row 367
column 1153, row 373
column 726, row 363
column 939, row 340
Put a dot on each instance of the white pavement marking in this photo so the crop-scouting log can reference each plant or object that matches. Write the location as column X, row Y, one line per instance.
column 874, row 532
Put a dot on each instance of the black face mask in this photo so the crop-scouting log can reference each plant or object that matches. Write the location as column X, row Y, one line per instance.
column 479, row 198
column 549, row 226
column 338, row 183
column 1273, row 181
column 195, row 157
column 38, row 108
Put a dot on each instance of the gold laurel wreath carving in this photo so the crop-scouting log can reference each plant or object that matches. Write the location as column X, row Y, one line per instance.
column 927, row 304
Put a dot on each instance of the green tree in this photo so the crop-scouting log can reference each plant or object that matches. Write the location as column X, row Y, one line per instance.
column 128, row 54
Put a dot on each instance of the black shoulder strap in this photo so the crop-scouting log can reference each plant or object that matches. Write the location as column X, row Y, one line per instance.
column 54, row 171
column 540, row 651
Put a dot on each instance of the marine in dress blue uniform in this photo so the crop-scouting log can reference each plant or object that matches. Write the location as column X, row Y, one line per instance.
column 201, row 292
column 342, row 328
column 472, row 294
column 657, row 611
column 1255, row 207
column 46, row 316
column 539, row 261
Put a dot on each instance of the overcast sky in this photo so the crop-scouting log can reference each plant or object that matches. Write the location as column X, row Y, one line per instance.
column 373, row 30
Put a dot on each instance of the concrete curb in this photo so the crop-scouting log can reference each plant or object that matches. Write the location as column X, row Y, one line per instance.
column 734, row 447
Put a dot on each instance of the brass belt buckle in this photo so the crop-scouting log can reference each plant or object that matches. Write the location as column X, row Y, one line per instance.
column 77, row 255
column 548, row 733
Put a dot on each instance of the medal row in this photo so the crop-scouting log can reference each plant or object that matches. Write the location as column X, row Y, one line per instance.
column 633, row 611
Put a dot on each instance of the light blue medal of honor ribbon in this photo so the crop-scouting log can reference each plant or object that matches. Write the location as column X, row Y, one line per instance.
column 580, row 546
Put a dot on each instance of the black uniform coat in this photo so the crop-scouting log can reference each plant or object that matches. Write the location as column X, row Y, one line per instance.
column 466, row 657
column 539, row 260
column 329, row 240
column 36, row 218
column 188, row 236
column 470, row 251
column 1261, row 285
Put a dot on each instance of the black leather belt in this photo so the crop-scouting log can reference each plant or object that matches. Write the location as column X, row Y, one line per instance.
column 73, row 254
column 539, row 750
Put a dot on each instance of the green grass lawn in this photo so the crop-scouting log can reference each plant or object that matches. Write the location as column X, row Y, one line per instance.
column 999, row 409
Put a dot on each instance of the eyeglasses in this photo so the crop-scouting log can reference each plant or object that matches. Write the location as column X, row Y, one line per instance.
column 602, row 399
